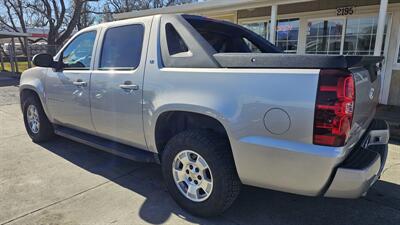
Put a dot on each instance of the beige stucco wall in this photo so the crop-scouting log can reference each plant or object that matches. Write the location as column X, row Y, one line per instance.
column 391, row 83
column 307, row 7
column 394, row 93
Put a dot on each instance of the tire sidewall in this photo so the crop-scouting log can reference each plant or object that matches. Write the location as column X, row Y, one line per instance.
column 213, row 202
column 43, row 133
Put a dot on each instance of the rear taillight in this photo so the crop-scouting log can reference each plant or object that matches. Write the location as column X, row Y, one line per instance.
column 334, row 107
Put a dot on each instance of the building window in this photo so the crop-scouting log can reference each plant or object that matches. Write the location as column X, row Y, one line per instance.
column 360, row 36
column 358, row 33
column 287, row 34
column 260, row 28
column 324, row 36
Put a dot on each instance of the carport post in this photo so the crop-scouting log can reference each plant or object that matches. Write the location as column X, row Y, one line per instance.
column 15, row 55
column 381, row 27
column 274, row 15
column 28, row 52
column 11, row 56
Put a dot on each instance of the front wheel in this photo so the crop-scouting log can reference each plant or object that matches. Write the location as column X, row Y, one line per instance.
column 37, row 125
column 199, row 171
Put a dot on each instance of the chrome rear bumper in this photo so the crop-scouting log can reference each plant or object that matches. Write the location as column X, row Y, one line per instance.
column 364, row 165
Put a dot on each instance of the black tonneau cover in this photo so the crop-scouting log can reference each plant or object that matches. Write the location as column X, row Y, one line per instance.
column 278, row 60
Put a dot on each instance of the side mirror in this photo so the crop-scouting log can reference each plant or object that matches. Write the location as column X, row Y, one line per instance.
column 43, row 60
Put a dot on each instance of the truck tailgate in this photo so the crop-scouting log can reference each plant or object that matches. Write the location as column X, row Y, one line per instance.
column 367, row 88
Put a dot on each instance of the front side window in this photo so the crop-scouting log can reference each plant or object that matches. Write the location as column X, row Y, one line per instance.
column 122, row 47
column 324, row 36
column 78, row 53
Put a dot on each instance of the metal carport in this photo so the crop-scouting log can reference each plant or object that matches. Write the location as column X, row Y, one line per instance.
column 12, row 56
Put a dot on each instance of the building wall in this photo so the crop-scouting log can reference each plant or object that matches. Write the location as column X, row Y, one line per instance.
column 327, row 9
column 307, row 7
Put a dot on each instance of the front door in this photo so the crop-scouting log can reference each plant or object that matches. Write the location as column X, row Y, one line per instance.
column 67, row 90
column 116, row 84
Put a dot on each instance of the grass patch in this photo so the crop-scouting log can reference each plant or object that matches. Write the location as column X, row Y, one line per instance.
column 22, row 66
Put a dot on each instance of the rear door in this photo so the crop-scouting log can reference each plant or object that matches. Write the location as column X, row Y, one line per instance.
column 117, row 83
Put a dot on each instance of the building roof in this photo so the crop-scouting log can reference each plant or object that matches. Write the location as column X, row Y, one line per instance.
column 207, row 6
column 8, row 34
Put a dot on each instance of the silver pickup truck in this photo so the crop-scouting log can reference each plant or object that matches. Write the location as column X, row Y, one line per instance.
column 216, row 105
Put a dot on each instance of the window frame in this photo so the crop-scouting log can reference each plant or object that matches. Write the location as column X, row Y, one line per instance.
column 396, row 64
column 201, row 51
column 248, row 22
column 267, row 21
column 100, row 50
column 187, row 53
column 60, row 55
column 389, row 16
column 361, row 15
column 288, row 40
column 343, row 18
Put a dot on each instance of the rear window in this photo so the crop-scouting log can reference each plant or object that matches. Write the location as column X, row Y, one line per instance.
column 225, row 37
column 122, row 47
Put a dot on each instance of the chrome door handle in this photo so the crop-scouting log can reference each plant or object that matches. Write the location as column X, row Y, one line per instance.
column 129, row 86
column 80, row 83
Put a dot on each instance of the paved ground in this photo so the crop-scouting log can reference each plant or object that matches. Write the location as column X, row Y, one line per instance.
column 63, row 182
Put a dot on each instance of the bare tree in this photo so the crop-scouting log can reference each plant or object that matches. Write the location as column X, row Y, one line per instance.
column 87, row 17
column 61, row 19
column 120, row 6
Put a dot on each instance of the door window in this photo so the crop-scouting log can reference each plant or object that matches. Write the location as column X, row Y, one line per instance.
column 78, row 53
column 122, row 47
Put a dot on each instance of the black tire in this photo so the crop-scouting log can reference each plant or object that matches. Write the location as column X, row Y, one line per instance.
column 217, row 153
column 46, row 131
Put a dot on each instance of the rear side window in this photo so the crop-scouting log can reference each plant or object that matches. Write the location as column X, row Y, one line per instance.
column 122, row 47
column 175, row 42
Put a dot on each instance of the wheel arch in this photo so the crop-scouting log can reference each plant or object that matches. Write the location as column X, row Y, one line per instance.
column 173, row 121
column 26, row 90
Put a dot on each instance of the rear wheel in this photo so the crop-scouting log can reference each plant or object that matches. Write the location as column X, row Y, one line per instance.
column 199, row 171
column 36, row 122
